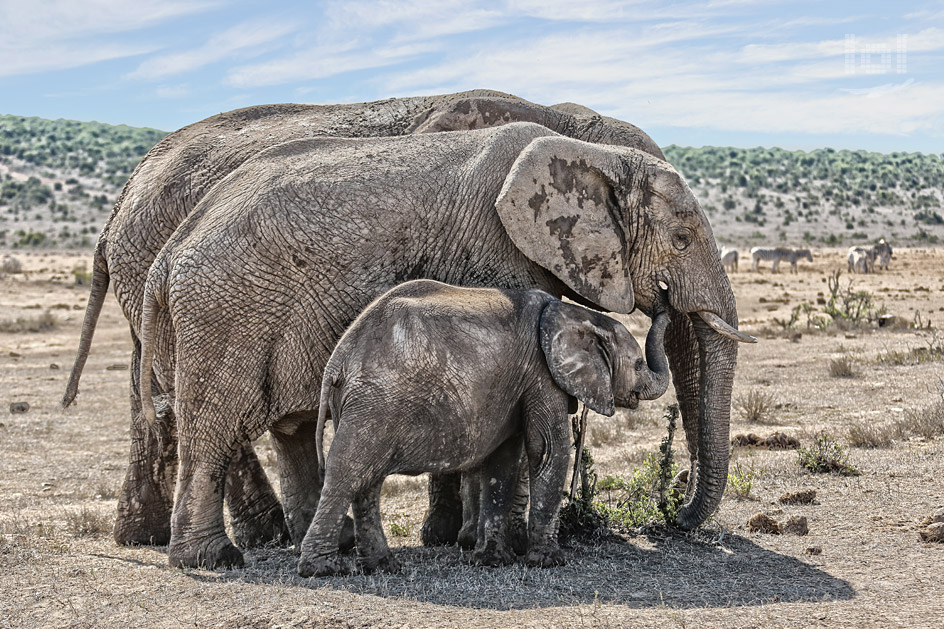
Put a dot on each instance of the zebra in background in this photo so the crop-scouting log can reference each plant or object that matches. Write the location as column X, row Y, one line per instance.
column 861, row 259
column 729, row 258
column 883, row 253
column 775, row 255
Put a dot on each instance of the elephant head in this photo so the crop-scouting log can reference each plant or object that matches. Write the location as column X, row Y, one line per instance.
column 595, row 359
column 623, row 230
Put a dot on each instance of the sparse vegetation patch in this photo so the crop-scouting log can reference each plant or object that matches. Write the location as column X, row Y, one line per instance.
column 824, row 456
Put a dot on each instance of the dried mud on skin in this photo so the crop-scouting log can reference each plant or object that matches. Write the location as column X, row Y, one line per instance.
column 861, row 564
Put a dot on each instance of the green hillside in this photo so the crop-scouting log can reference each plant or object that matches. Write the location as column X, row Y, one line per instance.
column 821, row 197
column 59, row 179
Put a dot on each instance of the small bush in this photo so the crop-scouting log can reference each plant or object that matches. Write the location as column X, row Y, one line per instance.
column 399, row 530
column 825, row 456
column 932, row 352
column 741, row 480
column 11, row 265
column 926, row 422
column 87, row 523
column 39, row 323
column 842, row 367
column 83, row 276
column 756, row 406
column 870, row 435
column 615, row 502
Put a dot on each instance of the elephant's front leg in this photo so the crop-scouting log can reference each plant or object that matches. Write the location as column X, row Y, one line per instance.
column 198, row 537
column 444, row 518
column 257, row 517
column 548, row 446
column 301, row 482
column 147, row 493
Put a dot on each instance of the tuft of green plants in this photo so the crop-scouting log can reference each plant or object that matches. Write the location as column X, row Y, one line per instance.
column 83, row 277
column 825, row 456
column 741, row 480
column 399, row 530
column 756, row 407
column 622, row 503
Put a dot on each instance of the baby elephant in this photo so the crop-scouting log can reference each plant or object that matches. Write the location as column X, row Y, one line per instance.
column 435, row 378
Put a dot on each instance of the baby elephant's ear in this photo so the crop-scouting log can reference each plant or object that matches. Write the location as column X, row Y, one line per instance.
column 575, row 346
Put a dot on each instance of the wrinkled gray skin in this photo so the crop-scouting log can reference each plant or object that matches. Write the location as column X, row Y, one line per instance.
column 166, row 186
column 436, row 378
column 264, row 276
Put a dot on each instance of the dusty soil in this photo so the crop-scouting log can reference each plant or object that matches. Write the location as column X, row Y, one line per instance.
column 60, row 471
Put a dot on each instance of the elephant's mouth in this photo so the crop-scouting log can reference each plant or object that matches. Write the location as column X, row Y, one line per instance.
column 719, row 325
column 631, row 402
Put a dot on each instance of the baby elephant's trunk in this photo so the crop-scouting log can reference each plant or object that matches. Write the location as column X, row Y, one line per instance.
column 656, row 362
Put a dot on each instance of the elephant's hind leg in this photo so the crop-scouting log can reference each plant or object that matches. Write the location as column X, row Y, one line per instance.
column 147, row 493
column 207, row 445
column 371, row 542
column 257, row 517
column 301, row 481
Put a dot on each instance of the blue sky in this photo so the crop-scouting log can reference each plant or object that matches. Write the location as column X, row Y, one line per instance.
column 795, row 74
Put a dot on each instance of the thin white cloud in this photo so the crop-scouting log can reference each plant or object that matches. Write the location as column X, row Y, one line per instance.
column 181, row 90
column 322, row 62
column 248, row 38
column 61, row 34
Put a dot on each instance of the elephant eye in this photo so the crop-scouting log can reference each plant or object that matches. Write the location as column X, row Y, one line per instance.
column 681, row 239
column 640, row 363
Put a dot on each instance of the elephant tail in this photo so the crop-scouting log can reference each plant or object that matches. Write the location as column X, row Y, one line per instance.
column 325, row 404
column 100, row 279
column 152, row 292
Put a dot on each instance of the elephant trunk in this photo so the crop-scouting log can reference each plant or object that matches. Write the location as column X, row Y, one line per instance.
column 656, row 362
column 717, row 356
column 702, row 353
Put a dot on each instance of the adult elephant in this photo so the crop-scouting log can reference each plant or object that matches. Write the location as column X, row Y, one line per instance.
column 164, row 189
column 275, row 262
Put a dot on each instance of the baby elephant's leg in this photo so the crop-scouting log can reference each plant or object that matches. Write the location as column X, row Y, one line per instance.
column 499, row 479
column 344, row 478
column 548, row 445
column 368, row 532
column 471, row 503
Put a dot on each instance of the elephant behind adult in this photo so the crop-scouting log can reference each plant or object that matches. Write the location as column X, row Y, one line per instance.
column 163, row 190
column 302, row 237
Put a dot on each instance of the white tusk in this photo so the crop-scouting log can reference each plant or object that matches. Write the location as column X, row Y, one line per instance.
column 720, row 326
column 663, row 285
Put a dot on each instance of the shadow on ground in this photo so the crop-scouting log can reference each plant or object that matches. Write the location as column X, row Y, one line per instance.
column 675, row 571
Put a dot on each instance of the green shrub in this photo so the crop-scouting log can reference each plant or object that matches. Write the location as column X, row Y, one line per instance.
column 643, row 499
column 825, row 456
column 741, row 480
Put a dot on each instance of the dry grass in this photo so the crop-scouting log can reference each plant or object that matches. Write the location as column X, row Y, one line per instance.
column 865, row 434
column 873, row 570
column 756, row 407
column 843, row 367
column 37, row 323
column 88, row 522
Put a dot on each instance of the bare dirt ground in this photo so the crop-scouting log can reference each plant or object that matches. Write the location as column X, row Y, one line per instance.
column 60, row 471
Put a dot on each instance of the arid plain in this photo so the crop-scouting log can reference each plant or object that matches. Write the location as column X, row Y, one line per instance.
column 862, row 563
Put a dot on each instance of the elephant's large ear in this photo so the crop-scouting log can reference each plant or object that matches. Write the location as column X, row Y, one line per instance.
column 575, row 347
column 559, row 206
